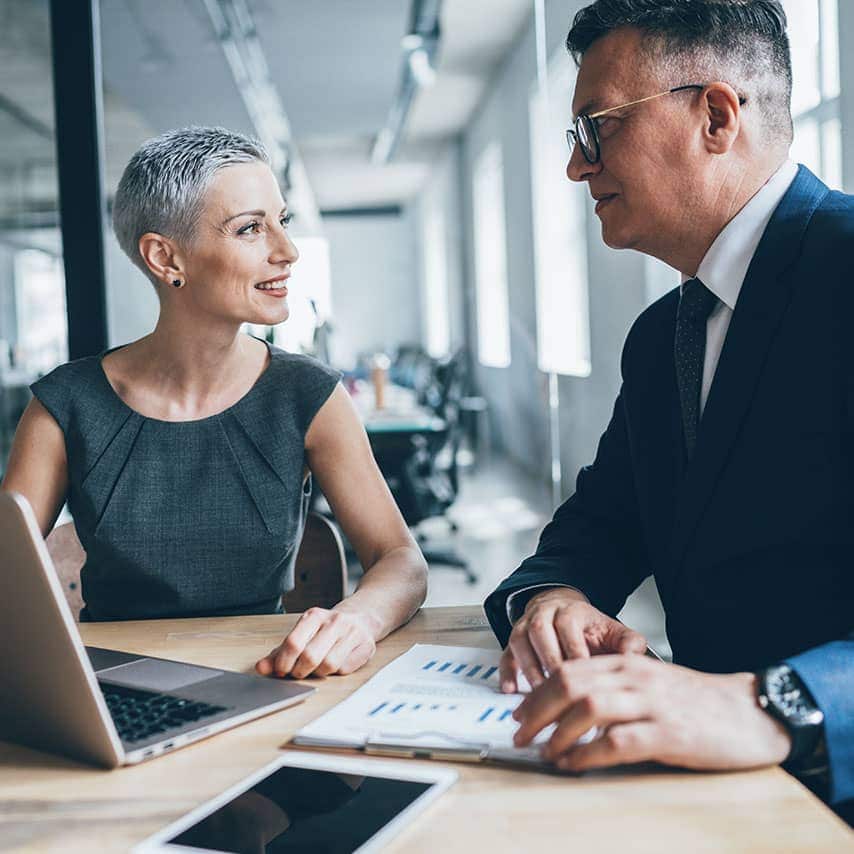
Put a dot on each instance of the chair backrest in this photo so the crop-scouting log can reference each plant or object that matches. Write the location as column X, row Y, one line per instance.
column 68, row 557
column 320, row 573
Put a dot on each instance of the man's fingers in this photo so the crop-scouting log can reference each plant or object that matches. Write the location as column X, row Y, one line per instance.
column 573, row 680
column 526, row 658
column 619, row 745
column 507, row 669
column 570, row 634
column 600, row 710
column 541, row 634
column 630, row 641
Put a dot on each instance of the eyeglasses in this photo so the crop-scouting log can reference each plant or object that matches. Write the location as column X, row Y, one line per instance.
column 585, row 130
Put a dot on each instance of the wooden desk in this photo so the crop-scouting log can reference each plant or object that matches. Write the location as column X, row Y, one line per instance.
column 51, row 803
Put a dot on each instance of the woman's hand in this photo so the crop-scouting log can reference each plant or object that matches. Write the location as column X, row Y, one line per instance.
column 323, row 642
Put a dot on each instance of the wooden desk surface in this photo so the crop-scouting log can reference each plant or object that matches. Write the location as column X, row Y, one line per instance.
column 51, row 803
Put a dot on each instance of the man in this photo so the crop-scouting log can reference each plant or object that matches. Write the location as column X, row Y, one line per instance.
column 727, row 469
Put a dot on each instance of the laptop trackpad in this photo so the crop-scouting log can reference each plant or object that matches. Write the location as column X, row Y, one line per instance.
column 157, row 675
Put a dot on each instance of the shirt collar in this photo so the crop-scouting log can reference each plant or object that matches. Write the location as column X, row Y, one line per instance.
column 724, row 266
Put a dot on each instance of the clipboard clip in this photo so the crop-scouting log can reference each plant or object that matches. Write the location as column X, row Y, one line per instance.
column 469, row 753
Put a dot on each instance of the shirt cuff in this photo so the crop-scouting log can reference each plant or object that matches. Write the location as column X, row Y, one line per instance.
column 518, row 599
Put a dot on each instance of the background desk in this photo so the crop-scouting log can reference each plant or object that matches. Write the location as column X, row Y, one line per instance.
column 50, row 803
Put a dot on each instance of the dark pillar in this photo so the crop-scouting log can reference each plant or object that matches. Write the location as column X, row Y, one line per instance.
column 76, row 45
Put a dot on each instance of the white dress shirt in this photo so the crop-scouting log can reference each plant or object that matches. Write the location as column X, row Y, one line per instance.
column 724, row 267
column 722, row 270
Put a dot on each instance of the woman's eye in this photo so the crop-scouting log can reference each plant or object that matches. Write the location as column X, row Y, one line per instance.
column 286, row 220
column 251, row 228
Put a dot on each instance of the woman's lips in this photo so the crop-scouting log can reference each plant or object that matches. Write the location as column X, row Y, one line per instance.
column 279, row 292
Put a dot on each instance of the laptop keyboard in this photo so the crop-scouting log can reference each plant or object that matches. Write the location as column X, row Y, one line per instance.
column 138, row 714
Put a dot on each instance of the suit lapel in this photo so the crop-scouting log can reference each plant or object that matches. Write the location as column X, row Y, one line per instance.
column 764, row 297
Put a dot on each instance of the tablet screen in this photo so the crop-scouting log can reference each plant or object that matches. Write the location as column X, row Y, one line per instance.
column 303, row 810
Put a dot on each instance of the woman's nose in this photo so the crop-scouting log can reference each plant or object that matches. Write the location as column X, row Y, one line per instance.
column 284, row 249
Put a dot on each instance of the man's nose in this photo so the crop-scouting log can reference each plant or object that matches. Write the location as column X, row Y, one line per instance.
column 578, row 169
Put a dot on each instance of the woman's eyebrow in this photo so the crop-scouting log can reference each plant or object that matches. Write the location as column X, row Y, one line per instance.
column 260, row 213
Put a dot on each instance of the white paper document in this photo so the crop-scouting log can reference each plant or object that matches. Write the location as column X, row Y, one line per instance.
column 443, row 698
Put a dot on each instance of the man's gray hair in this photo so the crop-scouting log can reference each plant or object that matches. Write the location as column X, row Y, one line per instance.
column 163, row 186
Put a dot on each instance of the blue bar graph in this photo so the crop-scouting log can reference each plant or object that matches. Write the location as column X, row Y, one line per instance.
column 398, row 707
column 434, row 707
column 486, row 714
column 445, row 666
column 506, row 714
column 459, row 668
column 489, row 671
column 379, row 708
column 473, row 670
column 428, row 665
column 417, row 706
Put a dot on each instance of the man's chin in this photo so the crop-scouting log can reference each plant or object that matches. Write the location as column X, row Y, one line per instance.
column 615, row 237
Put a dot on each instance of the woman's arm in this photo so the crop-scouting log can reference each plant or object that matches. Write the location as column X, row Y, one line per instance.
column 394, row 585
column 38, row 467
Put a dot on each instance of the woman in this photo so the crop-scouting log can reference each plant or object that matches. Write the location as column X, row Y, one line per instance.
column 186, row 456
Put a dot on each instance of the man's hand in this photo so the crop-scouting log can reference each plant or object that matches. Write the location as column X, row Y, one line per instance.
column 558, row 625
column 651, row 711
column 322, row 642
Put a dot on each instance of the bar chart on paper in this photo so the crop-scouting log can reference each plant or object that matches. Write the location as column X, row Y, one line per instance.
column 430, row 696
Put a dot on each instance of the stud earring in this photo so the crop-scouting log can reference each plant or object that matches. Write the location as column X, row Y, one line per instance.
column 177, row 283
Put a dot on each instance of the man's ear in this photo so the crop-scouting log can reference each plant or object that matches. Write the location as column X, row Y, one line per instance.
column 161, row 257
column 723, row 117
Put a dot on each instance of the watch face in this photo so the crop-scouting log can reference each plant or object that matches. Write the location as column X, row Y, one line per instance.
column 791, row 697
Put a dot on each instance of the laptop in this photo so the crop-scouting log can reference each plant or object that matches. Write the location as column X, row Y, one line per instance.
column 99, row 705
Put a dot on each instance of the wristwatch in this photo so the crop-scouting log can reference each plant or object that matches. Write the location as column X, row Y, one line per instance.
column 782, row 693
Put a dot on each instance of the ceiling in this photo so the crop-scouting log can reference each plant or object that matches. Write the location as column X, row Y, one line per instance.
column 335, row 64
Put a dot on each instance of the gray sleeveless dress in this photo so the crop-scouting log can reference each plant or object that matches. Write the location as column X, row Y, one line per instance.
column 190, row 518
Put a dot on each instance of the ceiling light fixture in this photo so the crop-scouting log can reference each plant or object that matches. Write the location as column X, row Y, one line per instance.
column 418, row 69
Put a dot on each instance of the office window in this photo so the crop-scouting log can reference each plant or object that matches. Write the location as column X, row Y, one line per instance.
column 435, row 292
column 490, row 255
column 660, row 278
column 560, row 231
column 814, row 37
column 40, row 307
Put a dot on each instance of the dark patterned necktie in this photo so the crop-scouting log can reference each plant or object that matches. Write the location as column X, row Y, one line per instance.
column 695, row 306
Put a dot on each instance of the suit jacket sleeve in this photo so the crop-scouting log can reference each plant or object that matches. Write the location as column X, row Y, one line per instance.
column 594, row 541
column 828, row 672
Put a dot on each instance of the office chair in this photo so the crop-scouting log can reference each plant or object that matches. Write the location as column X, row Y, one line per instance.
column 320, row 571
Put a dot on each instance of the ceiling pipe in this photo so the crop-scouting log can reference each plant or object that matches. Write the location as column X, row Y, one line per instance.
column 236, row 33
column 418, row 69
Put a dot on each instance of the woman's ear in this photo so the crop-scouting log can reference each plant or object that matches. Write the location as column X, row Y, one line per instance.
column 723, row 117
column 161, row 257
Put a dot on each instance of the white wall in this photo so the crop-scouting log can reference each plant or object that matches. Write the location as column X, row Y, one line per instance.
column 518, row 395
column 375, row 293
column 132, row 305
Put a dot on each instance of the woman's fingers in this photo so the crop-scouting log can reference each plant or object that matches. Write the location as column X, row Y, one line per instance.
column 281, row 659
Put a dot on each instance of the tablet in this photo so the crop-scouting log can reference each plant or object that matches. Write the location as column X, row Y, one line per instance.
column 305, row 802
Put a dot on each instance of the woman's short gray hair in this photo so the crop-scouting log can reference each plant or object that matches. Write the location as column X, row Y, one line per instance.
column 163, row 187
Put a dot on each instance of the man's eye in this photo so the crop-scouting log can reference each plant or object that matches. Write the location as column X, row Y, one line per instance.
column 607, row 125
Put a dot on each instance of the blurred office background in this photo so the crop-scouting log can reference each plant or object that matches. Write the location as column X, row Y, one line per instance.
column 421, row 144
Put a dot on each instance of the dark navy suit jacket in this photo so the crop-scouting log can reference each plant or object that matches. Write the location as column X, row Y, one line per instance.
column 752, row 544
